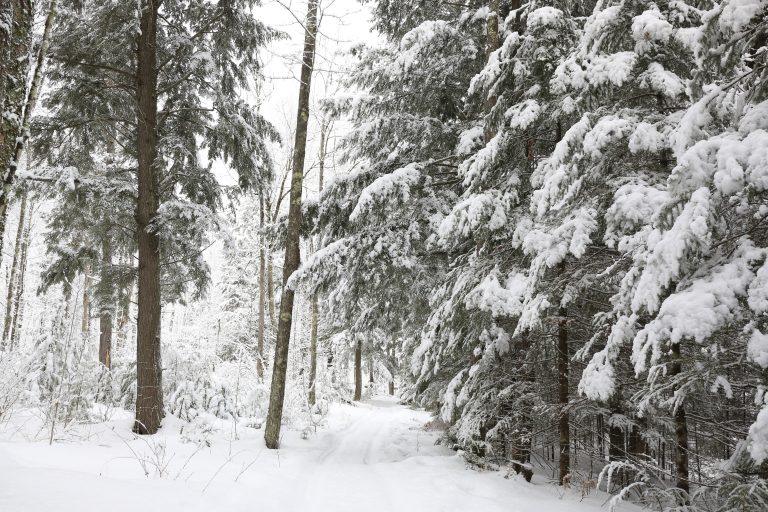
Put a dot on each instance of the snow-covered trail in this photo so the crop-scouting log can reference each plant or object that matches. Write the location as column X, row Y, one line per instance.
column 375, row 457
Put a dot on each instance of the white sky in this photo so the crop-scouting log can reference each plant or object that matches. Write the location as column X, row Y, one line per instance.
column 342, row 24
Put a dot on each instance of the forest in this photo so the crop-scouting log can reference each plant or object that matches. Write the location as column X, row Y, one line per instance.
column 390, row 255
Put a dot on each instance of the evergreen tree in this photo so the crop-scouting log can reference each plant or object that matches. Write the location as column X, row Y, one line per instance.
column 157, row 109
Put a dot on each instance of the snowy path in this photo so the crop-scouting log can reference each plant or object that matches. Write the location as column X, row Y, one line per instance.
column 371, row 458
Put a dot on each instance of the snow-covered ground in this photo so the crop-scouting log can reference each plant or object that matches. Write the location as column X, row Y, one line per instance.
column 368, row 458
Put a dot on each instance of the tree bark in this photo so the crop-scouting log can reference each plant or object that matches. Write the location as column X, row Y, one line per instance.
column 85, row 327
column 262, row 295
column 22, row 135
column 14, row 270
column 105, row 316
column 18, row 303
column 313, row 352
column 370, row 370
column 562, row 387
column 315, row 314
column 681, row 428
column 149, row 388
column 124, row 304
column 293, row 241
column 493, row 37
column 14, row 62
column 271, row 291
column 358, row 371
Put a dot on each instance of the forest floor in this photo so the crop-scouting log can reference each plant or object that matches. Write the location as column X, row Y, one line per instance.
column 374, row 457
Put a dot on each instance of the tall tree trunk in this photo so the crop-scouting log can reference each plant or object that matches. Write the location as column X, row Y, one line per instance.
column 106, row 308
column 293, row 241
column 313, row 352
column 14, row 62
column 358, row 371
column 616, row 450
column 262, row 294
column 681, row 428
column 370, row 370
column 271, row 291
column 149, row 386
column 18, row 303
column 22, row 134
column 563, row 361
column 315, row 314
column 493, row 36
column 14, row 270
column 85, row 327
column 124, row 303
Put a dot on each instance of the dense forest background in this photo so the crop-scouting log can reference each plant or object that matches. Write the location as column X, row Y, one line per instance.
column 543, row 221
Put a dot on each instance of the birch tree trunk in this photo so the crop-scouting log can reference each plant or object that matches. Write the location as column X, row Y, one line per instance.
column 18, row 303
column 15, row 44
column 149, row 386
column 17, row 144
column 14, row 270
column 293, row 241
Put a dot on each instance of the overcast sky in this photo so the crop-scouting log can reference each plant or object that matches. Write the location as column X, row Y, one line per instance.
column 342, row 24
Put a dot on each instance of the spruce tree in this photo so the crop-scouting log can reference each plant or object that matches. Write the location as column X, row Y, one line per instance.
column 154, row 101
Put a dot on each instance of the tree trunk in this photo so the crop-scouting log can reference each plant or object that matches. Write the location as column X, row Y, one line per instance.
column 124, row 317
column 615, row 432
column 391, row 388
column 149, row 388
column 14, row 61
column 105, row 317
column 493, row 37
column 313, row 353
column 18, row 307
column 262, row 295
column 85, row 327
column 14, row 270
column 521, row 441
column 370, row 370
column 681, row 428
column 293, row 240
column 271, row 292
column 562, row 388
column 358, row 371
column 22, row 134
column 315, row 310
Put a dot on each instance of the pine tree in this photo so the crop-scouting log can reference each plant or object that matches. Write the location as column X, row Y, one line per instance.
column 106, row 100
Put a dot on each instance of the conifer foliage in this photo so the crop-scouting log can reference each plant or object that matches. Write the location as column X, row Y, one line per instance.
column 557, row 208
column 545, row 222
